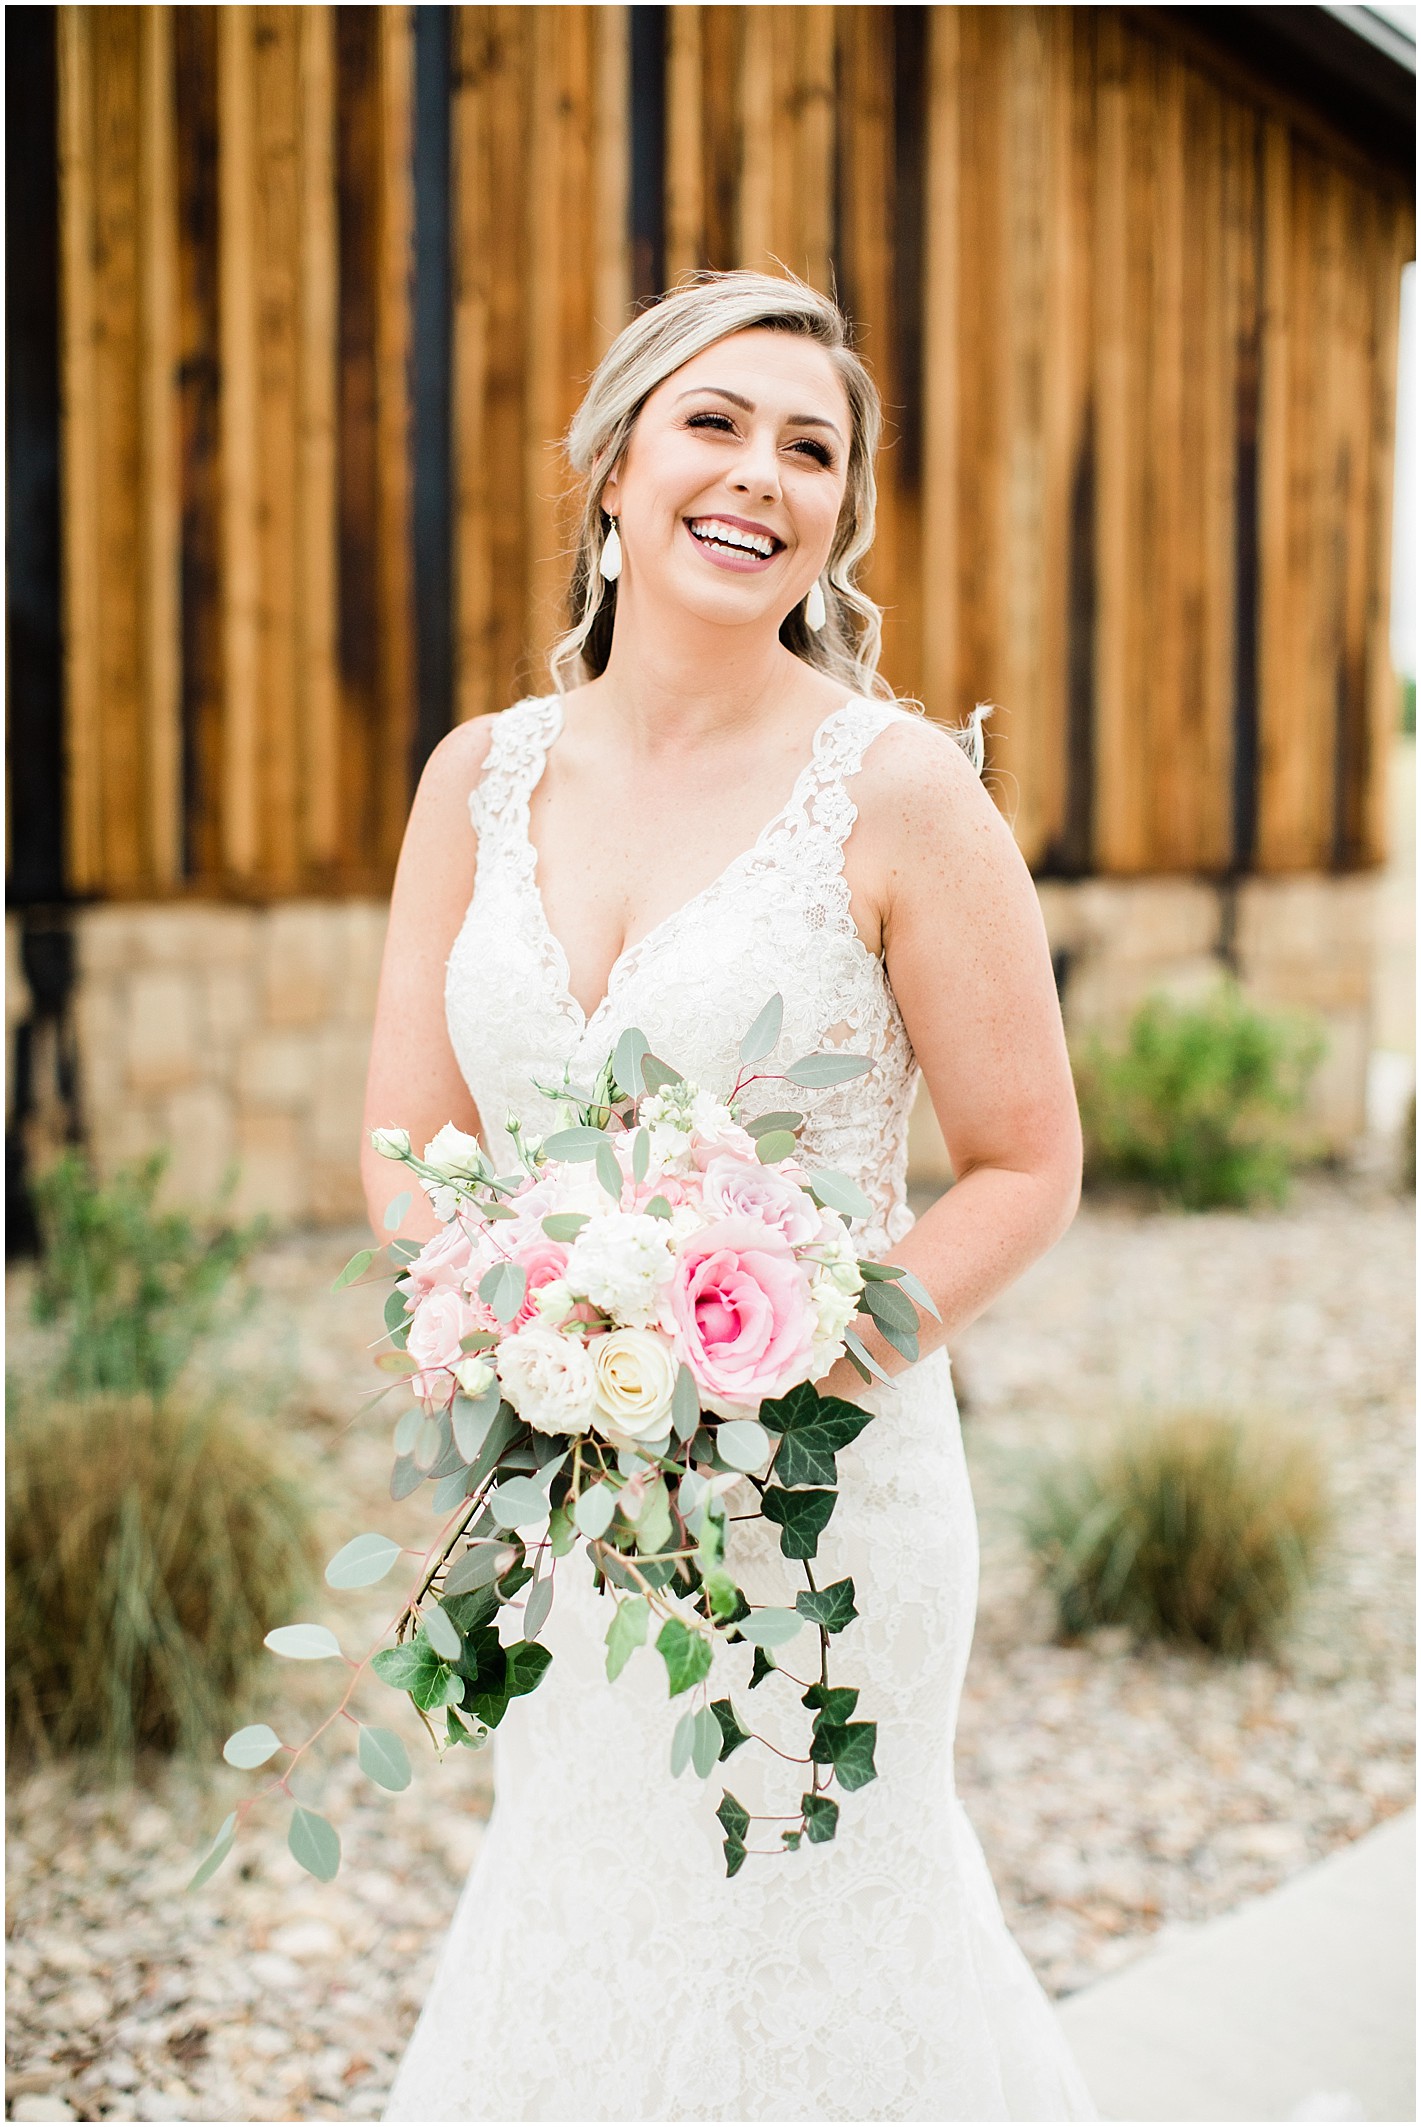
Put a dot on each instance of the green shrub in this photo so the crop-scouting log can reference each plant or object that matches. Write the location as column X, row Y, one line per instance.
column 132, row 1288
column 148, row 1551
column 1196, row 1101
column 1198, row 1528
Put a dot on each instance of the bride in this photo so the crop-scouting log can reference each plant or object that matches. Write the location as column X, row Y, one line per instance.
column 720, row 800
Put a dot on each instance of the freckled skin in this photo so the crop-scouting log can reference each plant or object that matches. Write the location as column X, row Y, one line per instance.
column 669, row 764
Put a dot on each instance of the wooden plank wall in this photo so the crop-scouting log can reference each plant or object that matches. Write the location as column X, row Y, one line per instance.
column 1134, row 322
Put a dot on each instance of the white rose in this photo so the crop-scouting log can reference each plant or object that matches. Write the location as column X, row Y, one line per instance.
column 391, row 1144
column 548, row 1379
column 635, row 1374
column 553, row 1299
column 620, row 1261
column 473, row 1376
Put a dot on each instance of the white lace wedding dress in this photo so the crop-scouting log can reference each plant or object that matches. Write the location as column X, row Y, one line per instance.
column 600, row 1965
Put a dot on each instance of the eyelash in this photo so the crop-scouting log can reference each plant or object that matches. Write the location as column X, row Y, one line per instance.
column 820, row 451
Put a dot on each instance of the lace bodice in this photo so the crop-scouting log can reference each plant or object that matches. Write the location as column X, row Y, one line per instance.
column 776, row 918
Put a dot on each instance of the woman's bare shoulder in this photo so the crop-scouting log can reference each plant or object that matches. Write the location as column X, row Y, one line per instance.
column 918, row 777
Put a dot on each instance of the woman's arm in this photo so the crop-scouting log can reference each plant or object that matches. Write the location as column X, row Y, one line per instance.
column 968, row 959
column 414, row 1082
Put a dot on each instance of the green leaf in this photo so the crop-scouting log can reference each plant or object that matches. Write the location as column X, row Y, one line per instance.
column 681, row 1740
column 485, row 1561
column 821, row 1818
column 562, row 1532
column 477, row 1340
column 723, row 1595
column 763, row 1665
column 539, row 1603
column 527, row 1664
column 778, row 1119
column 315, row 1843
column 705, row 1741
column 839, row 1193
column 654, row 1526
column 902, row 1340
column 733, row 1815
column 595, row 1509
column 833, row 1703
column 813, row 1429
column 356, row 1268
column 428, row 1443
column 770, row 1627
column 363, row 1561
column 504, row 1288
column 405, row 1477
column 216, row 1853
column 849, row 1749
column 626, row 1632
column 916, row 1290
column 471, row 1416
column 442, row 1633
column 685, row 1404
column 831, row 1607
column 502, row 1427
column 251, row 1747
column 303, row 1643
column 830, row 1067
column 492, row 1209
column 565, row 1225
column 609, row 1173
column 656, row 1075
column 631, row 1047
column 406, row 1428
column 776, row 1145
column 519, row 1502
column 656, row 1207
column 641, row 1155
column 399, row 1666
column 384, row 1759
column 687, row 1655
column 580, row 1143
column 742, row 1444
column 415, row 1667
column 791, row 1840
column 879, row 1273
column 889, row 1306
column 397, row 1317
column 395, row 1210
column 734, row 1853
column 764, row 1032
column 801, row 1517
column 732, row 1735
column 862, row 1357
column 397, row 1363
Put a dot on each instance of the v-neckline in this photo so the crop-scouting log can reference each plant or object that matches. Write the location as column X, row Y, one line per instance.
column 555, row 945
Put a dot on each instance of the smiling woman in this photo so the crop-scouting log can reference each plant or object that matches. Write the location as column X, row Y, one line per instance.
column 720, row 802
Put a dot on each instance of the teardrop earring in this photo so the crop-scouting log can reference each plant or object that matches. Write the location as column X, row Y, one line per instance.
column 815, row 610
column 610, row 564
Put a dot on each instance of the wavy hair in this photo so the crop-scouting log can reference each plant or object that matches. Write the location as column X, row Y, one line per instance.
column 702, row 308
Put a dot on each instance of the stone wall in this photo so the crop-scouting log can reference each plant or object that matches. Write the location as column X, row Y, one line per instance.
column 231, row 1032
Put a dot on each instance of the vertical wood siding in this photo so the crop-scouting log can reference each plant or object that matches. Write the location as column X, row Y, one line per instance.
column 1134, row 328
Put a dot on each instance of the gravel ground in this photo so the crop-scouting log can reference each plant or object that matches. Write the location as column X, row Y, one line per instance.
column 1117, row 1790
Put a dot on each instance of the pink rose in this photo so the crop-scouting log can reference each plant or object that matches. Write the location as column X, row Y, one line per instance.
column 741, row 1315
column 541, row 1261
column 737, row 1188
column 676, row 1188
column 443, row 1260
column 441, row 1318
column 708, row 1145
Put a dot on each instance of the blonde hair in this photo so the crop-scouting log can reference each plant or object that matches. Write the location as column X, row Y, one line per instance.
column 702, row 308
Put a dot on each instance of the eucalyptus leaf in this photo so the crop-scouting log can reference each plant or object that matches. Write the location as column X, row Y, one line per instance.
column 471, row 1417
column 764, row 1032
column 609, row 1173
column 397, row 1314
column 776, row 1145
column 641, row 1155
column 303, row 1643
column 831, row 1067
column 537, row 1606
column 405, row 1477
column 504, row 1288
column 363, row 1561
column 777, row 1119
column 890, row 1307
column 862, row 1357
column 705, row 1742
column 657, row 1075
column 519, row 1502
column 579, row 1143
column 397, row 1362
column 770, row 1627
column 879, row 1273
column 595, row 1509
column 631, row 1047
column 442, row 1633
column 406, row 1428
column 839, row 1193
column 657, row 1207
column 395, row 1210
column 384, row 1759
column 428, row 1443
column 216, row 1854
column 902, row 1340
column 916, row 1290
column 481, row 1565
column 356, row 1268
column 685, row 1404
column 315, row 1843
column 251, row 1747
column 743, row 1444
column 681, row 1741
column 564, row 1225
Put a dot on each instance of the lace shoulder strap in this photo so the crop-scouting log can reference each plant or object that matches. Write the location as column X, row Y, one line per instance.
column 821, row 811
column 522, row 734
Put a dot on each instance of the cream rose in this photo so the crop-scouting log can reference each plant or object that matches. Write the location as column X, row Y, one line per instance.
column 635, row 1373
column 548, row 1379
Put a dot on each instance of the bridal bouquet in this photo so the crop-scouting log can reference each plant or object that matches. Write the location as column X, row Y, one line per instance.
column 601, row 1348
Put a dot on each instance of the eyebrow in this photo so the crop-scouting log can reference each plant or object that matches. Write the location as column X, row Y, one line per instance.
column 748, row 406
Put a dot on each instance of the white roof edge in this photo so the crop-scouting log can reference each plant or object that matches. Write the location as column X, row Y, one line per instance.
column 1391, row 29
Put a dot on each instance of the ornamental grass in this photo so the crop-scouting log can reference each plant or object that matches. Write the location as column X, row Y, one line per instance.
column 1201, row 1528
column 149, row 1548
column 1197, row 1103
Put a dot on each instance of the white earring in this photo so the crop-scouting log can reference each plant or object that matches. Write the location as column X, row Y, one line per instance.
column 815, row 610
column 610, row 564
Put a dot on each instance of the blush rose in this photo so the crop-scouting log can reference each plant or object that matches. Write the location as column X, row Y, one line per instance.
column 741, row 1314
